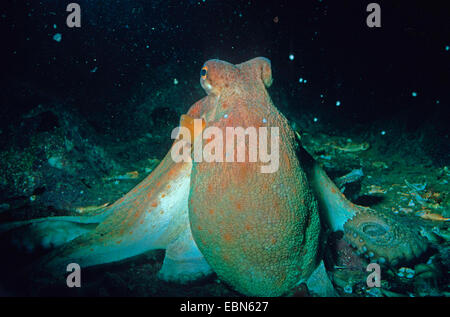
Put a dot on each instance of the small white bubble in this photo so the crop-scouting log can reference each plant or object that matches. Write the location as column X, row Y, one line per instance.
column 315, row 119
column 264, row 120
column 225, row 116
column 383, row 132
column 57, row 37
column 175, row 81
column 414, row 94
column 291, row 57
column 338, row 103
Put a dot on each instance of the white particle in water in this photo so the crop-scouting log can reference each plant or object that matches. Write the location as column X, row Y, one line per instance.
column 57, row 37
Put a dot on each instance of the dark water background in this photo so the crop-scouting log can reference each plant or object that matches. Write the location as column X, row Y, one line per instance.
column 373, row 72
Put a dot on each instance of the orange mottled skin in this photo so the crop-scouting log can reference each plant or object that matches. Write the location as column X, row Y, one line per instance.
column 258, row 231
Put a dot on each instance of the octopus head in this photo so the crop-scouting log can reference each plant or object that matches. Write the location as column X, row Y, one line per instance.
column 217, row 76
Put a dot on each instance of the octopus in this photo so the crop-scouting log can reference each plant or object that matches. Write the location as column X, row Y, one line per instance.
column 259, row 232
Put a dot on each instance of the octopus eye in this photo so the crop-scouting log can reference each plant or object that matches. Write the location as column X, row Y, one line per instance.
column 203, row 72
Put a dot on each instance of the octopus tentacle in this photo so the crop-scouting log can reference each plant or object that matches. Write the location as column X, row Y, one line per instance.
column 378, row 236
column 382, row 238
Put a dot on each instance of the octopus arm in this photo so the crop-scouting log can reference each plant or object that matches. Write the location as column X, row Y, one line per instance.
column 49, row 232
column 335, row 209
column 376, row 235
column 183, row 261
column 381, row 237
